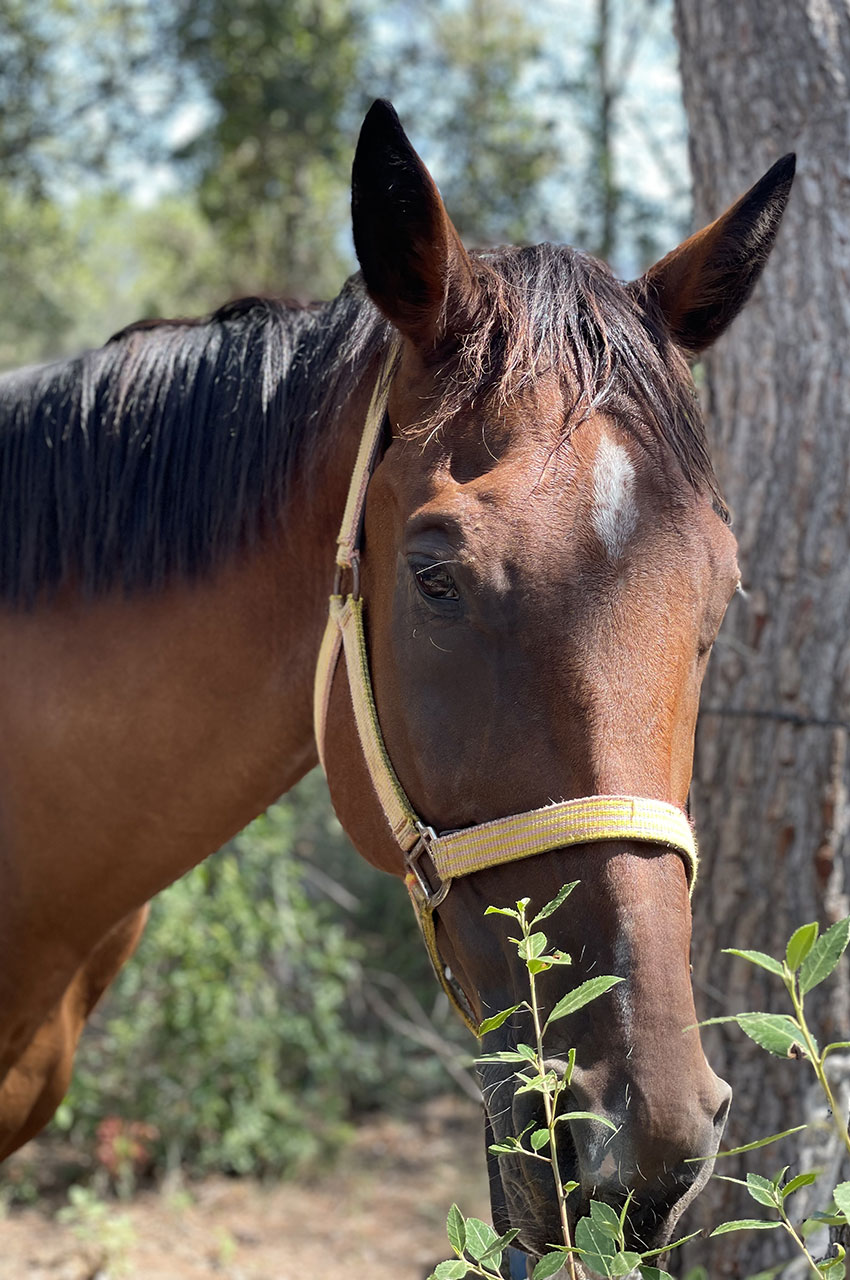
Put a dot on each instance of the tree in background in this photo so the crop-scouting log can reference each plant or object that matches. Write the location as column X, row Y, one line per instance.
column 761, row 78
column 272, row 164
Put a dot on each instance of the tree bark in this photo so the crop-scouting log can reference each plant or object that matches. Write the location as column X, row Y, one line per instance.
column 772, row 769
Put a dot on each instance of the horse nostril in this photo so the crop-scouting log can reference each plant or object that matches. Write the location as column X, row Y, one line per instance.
column 721, row 1115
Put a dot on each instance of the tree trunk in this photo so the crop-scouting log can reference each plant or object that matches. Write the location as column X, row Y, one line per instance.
column 772, row 771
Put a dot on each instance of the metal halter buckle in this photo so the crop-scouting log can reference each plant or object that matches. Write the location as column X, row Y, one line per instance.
column 353, row 568
column 427, row 835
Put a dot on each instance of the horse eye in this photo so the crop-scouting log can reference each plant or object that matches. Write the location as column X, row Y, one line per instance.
column 435, row 582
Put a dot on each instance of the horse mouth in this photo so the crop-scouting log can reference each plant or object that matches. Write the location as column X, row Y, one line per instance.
column 522, row 1197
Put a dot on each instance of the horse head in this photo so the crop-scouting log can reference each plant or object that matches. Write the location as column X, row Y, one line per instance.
column 546, row 563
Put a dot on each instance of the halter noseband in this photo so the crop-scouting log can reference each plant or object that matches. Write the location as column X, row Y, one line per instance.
column 586, row 820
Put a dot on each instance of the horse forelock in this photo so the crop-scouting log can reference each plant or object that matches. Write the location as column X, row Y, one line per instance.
column 549, row 308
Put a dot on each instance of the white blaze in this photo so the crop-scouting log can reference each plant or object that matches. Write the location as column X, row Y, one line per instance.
column 614, row 507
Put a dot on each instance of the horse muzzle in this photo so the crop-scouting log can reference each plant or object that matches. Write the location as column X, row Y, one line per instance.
column 662, row 1160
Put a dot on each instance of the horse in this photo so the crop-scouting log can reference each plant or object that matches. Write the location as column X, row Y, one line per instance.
column 533, row 565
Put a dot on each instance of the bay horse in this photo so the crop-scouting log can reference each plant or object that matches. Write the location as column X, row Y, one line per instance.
column 542, row 562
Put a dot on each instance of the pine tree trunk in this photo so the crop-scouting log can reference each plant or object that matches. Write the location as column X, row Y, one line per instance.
column 772, row 771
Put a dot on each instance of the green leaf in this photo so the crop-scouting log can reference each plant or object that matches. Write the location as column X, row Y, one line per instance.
column 559, row 898
column 833, row 1268
column 557, row 957
column 762, row 1190
column 800, row 944
column 536, row 1084
column 480, row 1238
column 654, row 1273
column 592, row 1237
column 456, row 1229
column 824, row 955
column 675, row 1244
column 776, row 1032
column 570, row 1187
column 841, row 1196
column 491, row 1024
column 548, row 1265
column 606, row 1218
column 587, row 1115
column 756, row 957
column 454, row 1269
column 582, row 995
column 745, row 1224
column 751, row 1146
column 533, row 946
column 539, row 1139
column 502, row 911
column 623, row 1264
column 801, row 1180
column 497, row 1248
column 506, row 1056
column 537, row 966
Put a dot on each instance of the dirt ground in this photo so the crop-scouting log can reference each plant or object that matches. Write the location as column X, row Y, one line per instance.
column 379, row 1215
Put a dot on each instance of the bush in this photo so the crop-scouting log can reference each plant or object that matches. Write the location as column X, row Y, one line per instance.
column 244, row 1032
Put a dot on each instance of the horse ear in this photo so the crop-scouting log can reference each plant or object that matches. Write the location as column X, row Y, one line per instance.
column 414, row 264
column 701, row 286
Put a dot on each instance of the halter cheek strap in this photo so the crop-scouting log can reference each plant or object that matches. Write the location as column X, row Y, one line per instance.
column 586, row 820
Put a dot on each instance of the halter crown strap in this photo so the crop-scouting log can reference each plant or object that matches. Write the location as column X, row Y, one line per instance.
column 587, row 820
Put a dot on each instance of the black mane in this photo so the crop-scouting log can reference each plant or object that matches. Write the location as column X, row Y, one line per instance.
column 164, row 451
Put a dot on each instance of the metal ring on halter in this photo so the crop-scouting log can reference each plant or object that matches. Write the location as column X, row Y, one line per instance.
column 432, row 897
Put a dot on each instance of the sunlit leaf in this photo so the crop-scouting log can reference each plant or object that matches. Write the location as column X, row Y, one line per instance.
column 841, row 1196
column 539, row 1139
column 548, row 1266
column 745, row 1224
column 559, row 898
column 756, row 957
column 801, row 1180
column 623, row 1264
column 587, row 1115
column 776, row 1032
column 606, row 1217
column 762, row 1190
column 596, row 1244
column 508, row 1055
column 480, row 1238
column 533, row 946
column 497, row 1248
column 454, row 1269
column 800, row 944
column 502, row 911
column 582, row 995
column 456, row 1229
column 750, row 1146
column 824, row 955
column 654, row 1273
column 492, row 1023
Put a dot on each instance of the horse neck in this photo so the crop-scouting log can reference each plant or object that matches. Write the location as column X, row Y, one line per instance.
column 304, row 544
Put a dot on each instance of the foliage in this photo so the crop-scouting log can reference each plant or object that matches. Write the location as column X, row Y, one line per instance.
column 273, row 160
column 108, row 1234
column 220, row 1045
column 600, row 1236
column 80, row 80
column 810, row 958
column 227, row 1031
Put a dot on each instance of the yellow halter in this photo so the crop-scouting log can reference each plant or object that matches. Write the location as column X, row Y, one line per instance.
column 455, row 853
